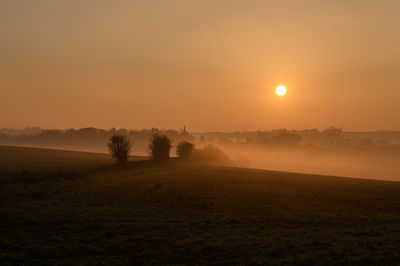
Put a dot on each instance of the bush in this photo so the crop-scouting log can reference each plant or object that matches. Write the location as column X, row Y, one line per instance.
column 120, row 148
column 332, row 134
column 210, row 155
column 159, row 148
column 184, row 149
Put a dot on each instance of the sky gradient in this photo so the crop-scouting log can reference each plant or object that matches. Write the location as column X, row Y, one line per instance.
column 206, row 64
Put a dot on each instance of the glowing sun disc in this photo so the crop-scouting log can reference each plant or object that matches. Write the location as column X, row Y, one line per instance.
column 281, row 90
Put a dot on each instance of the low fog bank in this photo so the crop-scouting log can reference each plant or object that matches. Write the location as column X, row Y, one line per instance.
column 330, row 152
column 375, row 164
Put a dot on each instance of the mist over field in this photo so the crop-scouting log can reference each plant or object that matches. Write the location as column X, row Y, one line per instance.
column 330, row 152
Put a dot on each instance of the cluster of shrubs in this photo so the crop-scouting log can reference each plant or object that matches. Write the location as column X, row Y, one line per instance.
column 159, row 148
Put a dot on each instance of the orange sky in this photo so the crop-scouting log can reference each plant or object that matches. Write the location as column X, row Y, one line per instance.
column 206, row 64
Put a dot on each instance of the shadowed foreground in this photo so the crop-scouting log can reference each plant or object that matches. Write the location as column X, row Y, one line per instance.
column 187, row 214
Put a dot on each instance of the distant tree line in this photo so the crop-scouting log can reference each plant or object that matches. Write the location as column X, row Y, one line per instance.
column 93, row 139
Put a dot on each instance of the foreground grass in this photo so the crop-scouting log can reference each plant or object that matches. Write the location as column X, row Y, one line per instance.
column 181, row 214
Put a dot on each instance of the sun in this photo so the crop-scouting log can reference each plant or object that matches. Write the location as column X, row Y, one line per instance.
column 281, row 90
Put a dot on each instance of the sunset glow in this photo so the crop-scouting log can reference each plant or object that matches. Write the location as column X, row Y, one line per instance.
column 181, row 62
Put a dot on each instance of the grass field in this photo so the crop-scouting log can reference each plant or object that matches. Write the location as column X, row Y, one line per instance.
column 186, row 214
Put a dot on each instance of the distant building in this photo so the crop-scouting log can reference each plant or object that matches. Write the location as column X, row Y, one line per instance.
column 185, row 136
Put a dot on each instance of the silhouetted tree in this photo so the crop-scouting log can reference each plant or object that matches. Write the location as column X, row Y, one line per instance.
column 119, row 146
column 159, row 148
column 184, row 149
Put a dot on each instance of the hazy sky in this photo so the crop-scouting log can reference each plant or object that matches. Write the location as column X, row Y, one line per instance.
column 206, row 64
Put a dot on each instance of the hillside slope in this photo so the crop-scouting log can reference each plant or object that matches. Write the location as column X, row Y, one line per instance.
column 38, row 163
column 190, row 214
